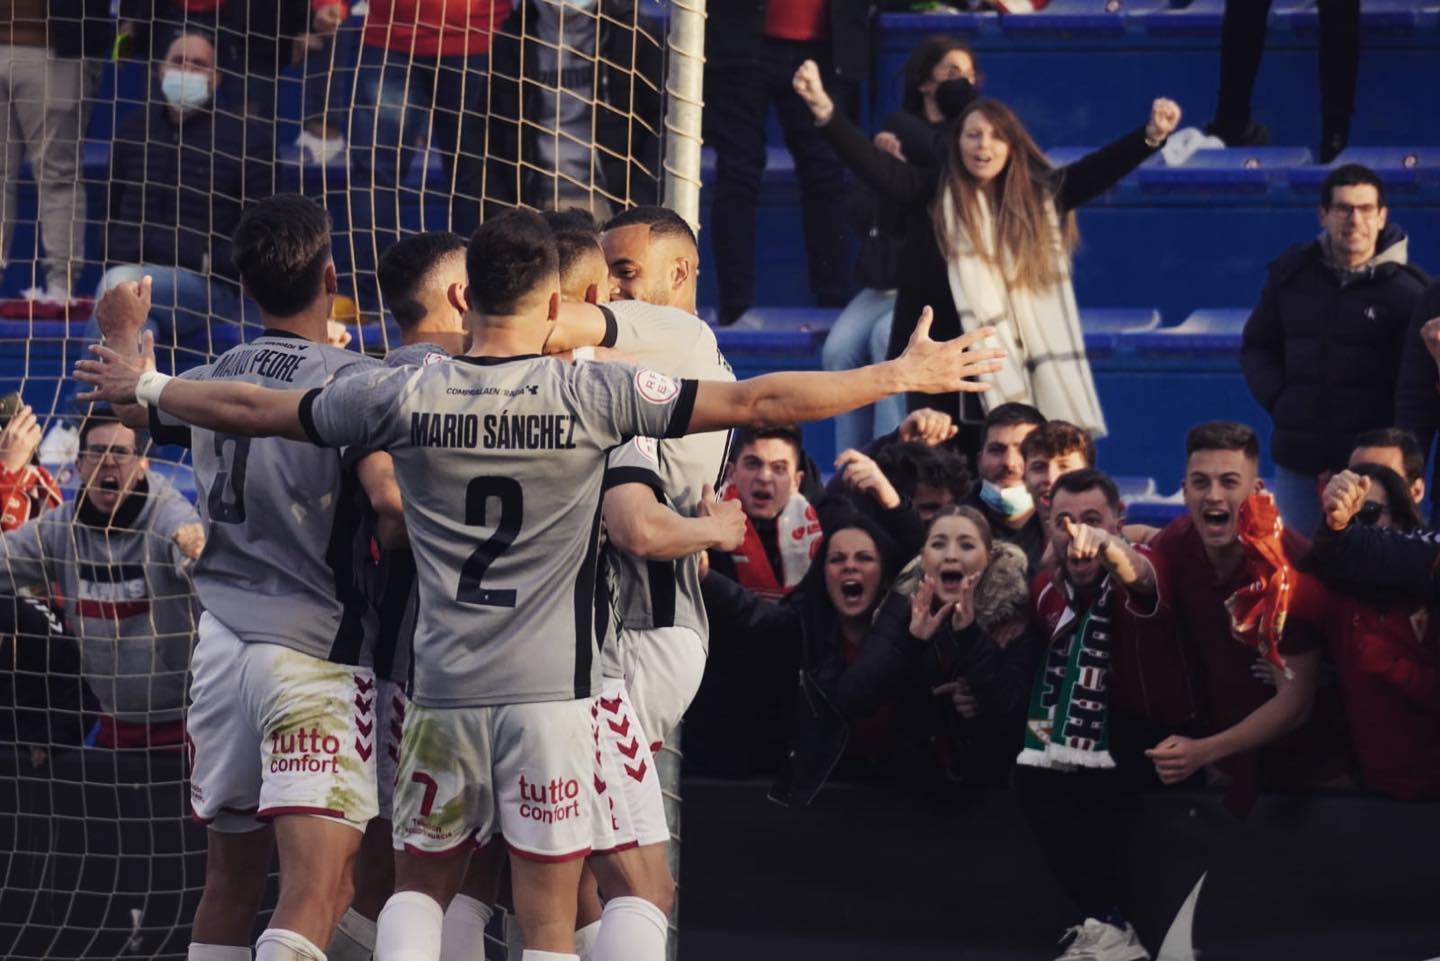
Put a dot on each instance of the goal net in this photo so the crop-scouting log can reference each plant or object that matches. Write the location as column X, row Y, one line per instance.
column 135, row 132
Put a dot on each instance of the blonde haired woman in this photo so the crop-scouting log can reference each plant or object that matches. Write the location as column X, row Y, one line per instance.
column 990, row 241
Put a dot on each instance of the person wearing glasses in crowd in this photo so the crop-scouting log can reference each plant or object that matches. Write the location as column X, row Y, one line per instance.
column 115, row 562
column 1322, row 348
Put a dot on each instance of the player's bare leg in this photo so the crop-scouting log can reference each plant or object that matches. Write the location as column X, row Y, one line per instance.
column 588, row 909
column 354, row 938
column 236, row 869
column 317, row 881
column 469, row 912
column 639, row 894
column 545, row 905
column 409, row 926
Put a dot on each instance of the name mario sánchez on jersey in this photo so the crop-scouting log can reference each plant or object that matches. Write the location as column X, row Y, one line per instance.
column 502, row 431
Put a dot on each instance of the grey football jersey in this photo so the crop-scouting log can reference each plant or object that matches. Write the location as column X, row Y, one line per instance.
column 500, row 463
column 650, row 594
column 284, row 559
column 677, row 343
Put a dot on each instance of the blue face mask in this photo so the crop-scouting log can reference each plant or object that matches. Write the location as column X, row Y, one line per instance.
column 1007, row 501
column 185, row 89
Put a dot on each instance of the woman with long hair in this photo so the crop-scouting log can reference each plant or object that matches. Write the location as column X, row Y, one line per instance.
column 996, row 243
column 939, row 79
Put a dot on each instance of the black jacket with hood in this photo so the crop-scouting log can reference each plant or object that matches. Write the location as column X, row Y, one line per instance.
column 1321, row 350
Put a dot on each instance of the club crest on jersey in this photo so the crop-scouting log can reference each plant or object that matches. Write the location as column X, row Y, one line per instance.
column 654, row 386
column 432, row 358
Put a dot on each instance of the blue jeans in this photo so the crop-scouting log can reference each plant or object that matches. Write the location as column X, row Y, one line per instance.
column 404, row 106
column 860, row 336
column 1298, row 499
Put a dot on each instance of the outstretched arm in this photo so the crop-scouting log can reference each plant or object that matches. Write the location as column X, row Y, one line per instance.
column 926, row 367
column 233, row 408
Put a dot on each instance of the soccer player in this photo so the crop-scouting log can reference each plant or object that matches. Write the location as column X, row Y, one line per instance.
column 282, row 720
column 422, row 278
column 499, row 455
column 652, row 256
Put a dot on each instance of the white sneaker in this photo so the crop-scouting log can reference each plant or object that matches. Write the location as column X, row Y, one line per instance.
column 60, row 447
column 1097, row 941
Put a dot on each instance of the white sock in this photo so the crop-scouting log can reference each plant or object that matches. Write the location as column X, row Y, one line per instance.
column 631, row 929
column 532, row 955
column 277, row 944
column 585, row 940
column 217, row 952
column 354, row 938
column 409, row 928
column 462, row 936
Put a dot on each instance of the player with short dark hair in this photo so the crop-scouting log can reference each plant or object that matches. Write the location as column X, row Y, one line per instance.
column 653, row 256
column 282, row 719
column 408, row 274
column 1397, row 449
column 502, row 445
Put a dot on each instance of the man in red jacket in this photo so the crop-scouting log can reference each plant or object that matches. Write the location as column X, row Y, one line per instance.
column 1266, row 730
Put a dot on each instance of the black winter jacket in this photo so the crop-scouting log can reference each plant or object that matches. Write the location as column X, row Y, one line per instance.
column 1321, row 350
column 176, row 191
column 1417, row 393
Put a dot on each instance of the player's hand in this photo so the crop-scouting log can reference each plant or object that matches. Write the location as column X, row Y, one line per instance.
column 19, row 439
column 928, row 426
column 337, row 334
column 967, row 705
column 941, row 367
column 1176, row 758
column 122, row 312
column 808, row 85
column 864, row 475
column 964, row 614
column 728, row 518
column 890, row 143
column 1164, row 118
column 114, row 376
column 1430, row 337
column 923, row 621
column 1344, row 496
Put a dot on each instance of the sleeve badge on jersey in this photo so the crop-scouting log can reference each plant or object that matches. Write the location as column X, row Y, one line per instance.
column 432, row 358
column 647, row 448
column 654, row 386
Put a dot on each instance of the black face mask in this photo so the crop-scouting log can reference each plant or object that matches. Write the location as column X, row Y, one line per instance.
column 1369, row 515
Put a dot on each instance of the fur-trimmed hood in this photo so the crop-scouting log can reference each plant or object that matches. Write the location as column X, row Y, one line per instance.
column 1003, row 595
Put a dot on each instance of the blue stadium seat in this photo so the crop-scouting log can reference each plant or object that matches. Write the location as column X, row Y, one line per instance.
column 1226, row 170
column 777, row 330
column 1081, row 19
column 1103, row 326
column 1204, row 330
column 1402, row 168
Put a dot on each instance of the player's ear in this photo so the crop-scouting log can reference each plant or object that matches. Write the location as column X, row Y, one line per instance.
column 554, row 314
column 680, row 272
column 455, row 297
column 332, row 280
column 592, row 294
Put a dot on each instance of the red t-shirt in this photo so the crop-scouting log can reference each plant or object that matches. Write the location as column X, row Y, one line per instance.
column 795, row 19
column 1315, row 753
column 447, row 28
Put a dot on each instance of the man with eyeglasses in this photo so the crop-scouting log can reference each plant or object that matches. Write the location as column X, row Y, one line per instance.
column 119, row 555
column 1322, row 348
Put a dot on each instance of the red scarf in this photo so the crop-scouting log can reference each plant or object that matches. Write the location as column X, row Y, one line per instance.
column 1259, row 609
column 798, row 531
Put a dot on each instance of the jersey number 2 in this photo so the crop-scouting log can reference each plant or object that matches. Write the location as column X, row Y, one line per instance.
column 227, row 493
column 512, row 510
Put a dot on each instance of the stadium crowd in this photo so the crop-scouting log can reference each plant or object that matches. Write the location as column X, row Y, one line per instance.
column 962, row 601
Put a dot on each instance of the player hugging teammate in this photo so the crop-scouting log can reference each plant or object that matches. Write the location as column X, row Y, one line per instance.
column 510, row 709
